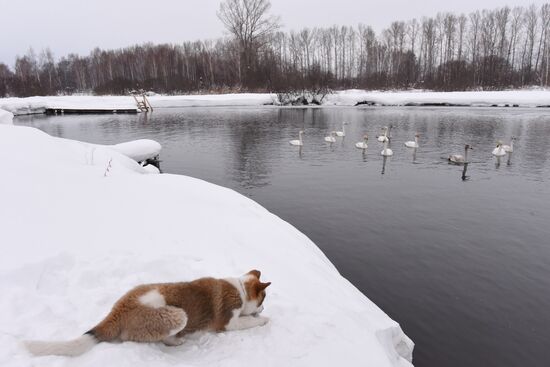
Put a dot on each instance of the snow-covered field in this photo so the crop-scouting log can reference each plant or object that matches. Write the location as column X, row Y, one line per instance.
column 73, row 240
column 522, row 98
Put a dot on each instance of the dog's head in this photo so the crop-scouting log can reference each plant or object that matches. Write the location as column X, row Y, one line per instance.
column 255, row 292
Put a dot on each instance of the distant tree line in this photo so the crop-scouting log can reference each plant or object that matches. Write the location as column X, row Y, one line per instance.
column 489, row 49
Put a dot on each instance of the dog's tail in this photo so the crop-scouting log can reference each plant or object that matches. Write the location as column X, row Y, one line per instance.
column 107, row 330
column 71, row 348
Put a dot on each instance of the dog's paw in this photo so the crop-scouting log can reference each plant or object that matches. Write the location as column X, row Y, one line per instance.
column 262, row 320
column 173, row 341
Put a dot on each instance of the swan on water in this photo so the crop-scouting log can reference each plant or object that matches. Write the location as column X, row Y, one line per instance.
column 459, row 158
column 363, row 144
column 383, row 138
column 499, row 150
column 298, row 142
column 331, row 138
column 509, row 148
column 343, row 132
column 413, row 144
column 386, row 152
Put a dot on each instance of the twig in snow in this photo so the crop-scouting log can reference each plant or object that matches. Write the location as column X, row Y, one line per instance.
column 108, row 169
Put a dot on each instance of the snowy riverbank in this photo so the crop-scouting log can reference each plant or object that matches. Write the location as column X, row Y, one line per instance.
column 6, row 117
column 32, row 105
column 521, row 98
column 73, row 241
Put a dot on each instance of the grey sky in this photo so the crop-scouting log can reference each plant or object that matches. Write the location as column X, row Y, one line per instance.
column 78, row 26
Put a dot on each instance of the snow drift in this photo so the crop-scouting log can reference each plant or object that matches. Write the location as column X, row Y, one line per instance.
column 81, row 224
column 139, row 150
column 6, row 117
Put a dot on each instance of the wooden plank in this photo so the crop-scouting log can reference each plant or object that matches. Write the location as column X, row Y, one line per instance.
column 59, row 111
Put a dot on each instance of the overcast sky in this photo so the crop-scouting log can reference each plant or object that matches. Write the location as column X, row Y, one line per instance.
column 78, row 26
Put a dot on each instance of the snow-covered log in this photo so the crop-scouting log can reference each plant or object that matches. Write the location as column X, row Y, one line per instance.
column 139, row 150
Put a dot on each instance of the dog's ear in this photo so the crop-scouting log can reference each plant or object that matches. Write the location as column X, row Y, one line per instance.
column 256, row 273
column 262, row 286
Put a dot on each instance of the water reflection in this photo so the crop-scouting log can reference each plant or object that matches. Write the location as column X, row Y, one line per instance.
column 497, row 162
column 250, row 156
column 464, row 170
column 384, row 160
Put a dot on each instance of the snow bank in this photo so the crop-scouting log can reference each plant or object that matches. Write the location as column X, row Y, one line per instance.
column 520, row 98
column 215, row 100
column 139, row 150
column 73, row 240
column 34, row 105
column 6, row 117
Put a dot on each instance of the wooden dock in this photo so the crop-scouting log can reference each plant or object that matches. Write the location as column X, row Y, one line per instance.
column 142, row 105
column 80, row 111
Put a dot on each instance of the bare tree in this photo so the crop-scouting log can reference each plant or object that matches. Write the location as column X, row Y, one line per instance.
column 251, row 25
column 531, row 20
column 490, row 49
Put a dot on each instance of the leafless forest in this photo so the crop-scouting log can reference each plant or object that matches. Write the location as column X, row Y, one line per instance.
column 487, row 49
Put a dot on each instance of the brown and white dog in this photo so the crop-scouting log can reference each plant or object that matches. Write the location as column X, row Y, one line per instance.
column 165, row 312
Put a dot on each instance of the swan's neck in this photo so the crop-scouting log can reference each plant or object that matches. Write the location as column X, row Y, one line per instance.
column 300, row 137
column 416, row 139
column 512, row 144
column 344, row 128
column 385, row 145
column 465, row 155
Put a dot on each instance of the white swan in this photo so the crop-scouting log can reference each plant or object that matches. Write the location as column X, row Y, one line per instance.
column 459, row 158
column 383, row 138
column 331, row 138
column 363, row 144
column 413, row 144
column 343, row 132
column 299, row 142
column 386, row 152
column 499, row 150
column 509, row 148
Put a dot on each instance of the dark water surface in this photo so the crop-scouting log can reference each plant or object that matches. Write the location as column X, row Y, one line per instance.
column 462, row 265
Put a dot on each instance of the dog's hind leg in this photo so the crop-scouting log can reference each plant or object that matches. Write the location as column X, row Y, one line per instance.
column 148, row 324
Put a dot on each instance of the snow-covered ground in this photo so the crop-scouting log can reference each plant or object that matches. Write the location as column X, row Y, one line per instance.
column 6, row 117
column 522, row 98
column 74, row 240
column 32, row 105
